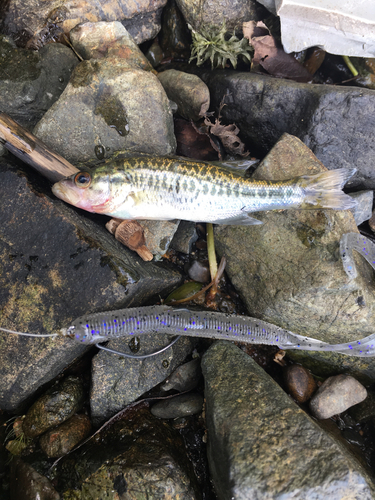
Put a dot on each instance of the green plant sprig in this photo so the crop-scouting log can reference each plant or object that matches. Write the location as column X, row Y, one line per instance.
column 212, row 43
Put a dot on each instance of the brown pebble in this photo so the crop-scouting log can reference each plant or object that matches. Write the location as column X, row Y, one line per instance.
column 300, row 383
column 65, row 437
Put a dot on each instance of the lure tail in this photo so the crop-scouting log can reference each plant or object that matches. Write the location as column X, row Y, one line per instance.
column 324, row 190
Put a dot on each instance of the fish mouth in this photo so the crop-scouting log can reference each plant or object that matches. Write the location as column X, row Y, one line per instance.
column 65, row 190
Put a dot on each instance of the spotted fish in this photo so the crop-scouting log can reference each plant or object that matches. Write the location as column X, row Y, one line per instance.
column 164, row 188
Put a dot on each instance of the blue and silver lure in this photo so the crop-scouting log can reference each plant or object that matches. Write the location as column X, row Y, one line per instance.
column 100, row 327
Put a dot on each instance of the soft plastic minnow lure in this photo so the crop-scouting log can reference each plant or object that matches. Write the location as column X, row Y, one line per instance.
column 100, row 327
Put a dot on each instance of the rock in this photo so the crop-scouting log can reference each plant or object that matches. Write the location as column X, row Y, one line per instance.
column 199, row 271
column 179, row 406
column 214, row 13
column 58, row 442
column 363, row 210
column 30, row 82
column 35, row 23
column 99, row 40
column 108, row 104
column 158, row 235
column 260, row 441
column 118, row 381
column 288, row 270
column 28, row 484
column 56, row 264
column 188, row 91
column 139, row 456
column 185, row 237
column 264, row 108
column 174, row 37
column 184, row 378
column 299, row 382
column 336, row 395
column 57, row 405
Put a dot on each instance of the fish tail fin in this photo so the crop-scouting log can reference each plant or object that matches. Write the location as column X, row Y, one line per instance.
column 324, row 190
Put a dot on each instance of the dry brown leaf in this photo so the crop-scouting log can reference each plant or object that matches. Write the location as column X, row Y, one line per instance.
column 228, row 134
column 270, row 56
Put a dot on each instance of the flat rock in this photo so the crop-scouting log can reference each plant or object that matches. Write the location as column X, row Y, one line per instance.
column 118, row 381
column 110, row 106
column 288, row 270
column 35, row 22
column 336, row 395
column 56, row 264
column 262, row 445
column 264, row 108
column 30, row 81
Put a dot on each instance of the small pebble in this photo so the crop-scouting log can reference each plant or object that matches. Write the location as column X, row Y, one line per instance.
column 299, row 382
column 336, row 395
column 184, row 378
column 199, row 271
column 180, row 406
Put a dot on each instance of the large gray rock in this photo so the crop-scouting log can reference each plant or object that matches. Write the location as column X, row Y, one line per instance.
column 109, row 105
column 30, row 81
column 289, row 272
column 262, row 445
column 335, row 122
column 56, row 264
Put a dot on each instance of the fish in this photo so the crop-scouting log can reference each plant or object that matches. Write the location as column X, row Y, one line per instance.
column 165, row 188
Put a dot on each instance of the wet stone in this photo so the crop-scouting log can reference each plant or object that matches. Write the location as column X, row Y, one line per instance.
column 336, row 395
column 30, row 82
column 299, row 383
column 199, row 271
column 118, row 381
column 264, row 108
column 178, row 406
column 158, row 235
column 289, row 272
column 30, row 21
column 188, row 91
column 113, row 105
column 28, row 484
column 260, row 441
column 363, row 210
column 54, row 407
column 184, row 378
column 56, row 265
column 185, row 237
column 65, row 437
column 98, row 40
column 138, row 456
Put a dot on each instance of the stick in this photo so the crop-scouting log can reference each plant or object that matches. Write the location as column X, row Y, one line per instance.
column 33, row 151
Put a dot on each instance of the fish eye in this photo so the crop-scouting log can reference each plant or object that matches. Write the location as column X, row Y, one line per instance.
column 82, row 180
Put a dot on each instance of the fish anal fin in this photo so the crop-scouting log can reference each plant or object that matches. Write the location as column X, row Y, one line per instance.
column 238, row 220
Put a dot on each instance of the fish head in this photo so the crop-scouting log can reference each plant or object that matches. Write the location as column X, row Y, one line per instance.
column 86, row 189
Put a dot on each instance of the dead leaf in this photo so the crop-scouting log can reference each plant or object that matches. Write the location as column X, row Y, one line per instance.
column 271, row 56
column 228, row 134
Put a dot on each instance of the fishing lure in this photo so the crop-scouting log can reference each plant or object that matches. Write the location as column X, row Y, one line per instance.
column 100, row 327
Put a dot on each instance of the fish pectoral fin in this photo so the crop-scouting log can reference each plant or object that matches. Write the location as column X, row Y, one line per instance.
column 238, row 220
